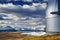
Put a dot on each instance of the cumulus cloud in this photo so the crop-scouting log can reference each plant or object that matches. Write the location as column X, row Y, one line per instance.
column 34, row 6
column 29, row 7
column 40, row 6
column 9, row 5
column 27, row 0
column 30, row 22
column 28, row 15
column 34, row 9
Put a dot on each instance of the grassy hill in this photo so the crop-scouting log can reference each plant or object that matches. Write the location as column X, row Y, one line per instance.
column 19, row 36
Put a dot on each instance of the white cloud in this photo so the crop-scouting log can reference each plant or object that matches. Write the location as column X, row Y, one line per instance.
column 32, row 22
column 33, row 7
column 26, row 22
column 40, row 6
column 9, row 5
column 27, row 0
column 43, row 5
column 29, row 7
column 36, row 4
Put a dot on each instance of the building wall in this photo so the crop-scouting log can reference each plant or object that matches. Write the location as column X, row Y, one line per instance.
column 52, row 20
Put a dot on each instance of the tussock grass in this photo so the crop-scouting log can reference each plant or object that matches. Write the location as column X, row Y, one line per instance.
column 18, row 36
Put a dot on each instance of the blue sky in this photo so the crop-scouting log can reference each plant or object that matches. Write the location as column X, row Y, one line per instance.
column 26, row 3
column 20, row 1
column 31, row 10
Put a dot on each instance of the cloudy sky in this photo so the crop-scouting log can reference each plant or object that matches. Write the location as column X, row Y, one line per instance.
column 32, row 11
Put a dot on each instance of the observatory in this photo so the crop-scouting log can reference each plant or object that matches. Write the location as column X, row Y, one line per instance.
column 53, row 16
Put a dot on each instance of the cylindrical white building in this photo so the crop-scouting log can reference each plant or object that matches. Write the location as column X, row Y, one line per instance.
column 53, row 19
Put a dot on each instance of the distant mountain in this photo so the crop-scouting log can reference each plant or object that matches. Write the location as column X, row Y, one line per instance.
column 7, row 28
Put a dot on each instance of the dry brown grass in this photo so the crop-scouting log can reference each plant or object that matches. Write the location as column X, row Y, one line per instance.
column 18, row 36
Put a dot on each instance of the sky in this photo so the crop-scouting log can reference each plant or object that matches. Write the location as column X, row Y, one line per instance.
column 26, row 7
column 32, row 11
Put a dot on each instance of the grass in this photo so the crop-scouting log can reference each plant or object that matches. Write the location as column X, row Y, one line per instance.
column 19, row 36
